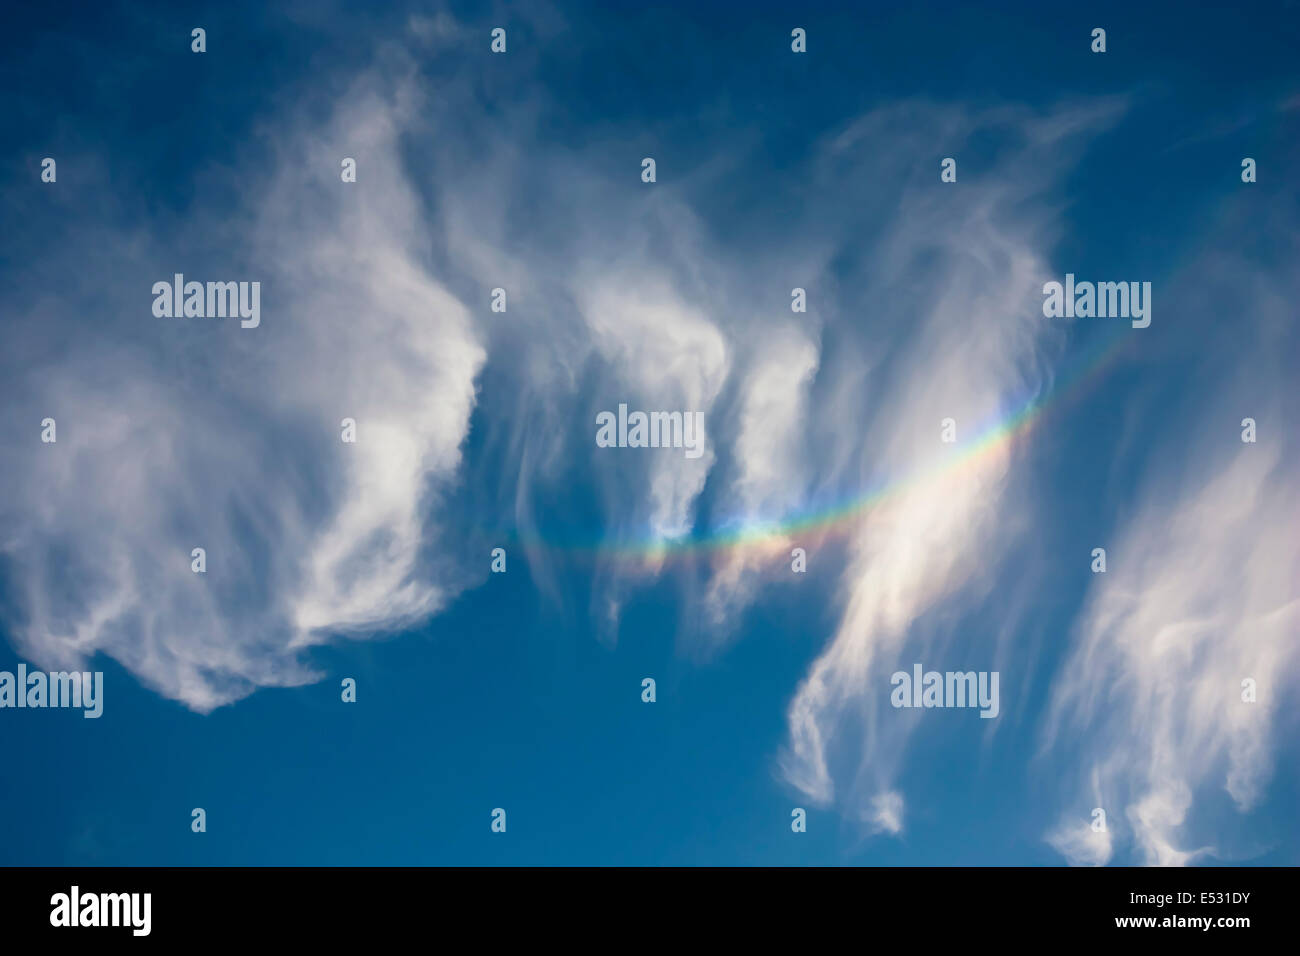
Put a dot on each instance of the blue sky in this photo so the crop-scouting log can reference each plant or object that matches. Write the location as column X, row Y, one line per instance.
column 522, row 690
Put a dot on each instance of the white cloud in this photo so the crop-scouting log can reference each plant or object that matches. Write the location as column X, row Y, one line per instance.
column 1200, row 591
column 665, row 356
column 887, row 812
column 772, row 466
column 955, row 294
column 183, row 433
column 1080, row 844
column 1199, row 595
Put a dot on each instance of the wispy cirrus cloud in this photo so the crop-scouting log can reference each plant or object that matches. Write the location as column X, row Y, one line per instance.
column 188, row 432
column 956, row 283
column 923, row 305
column 1199, row 596
column 375, row 305
column 1200, row 593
